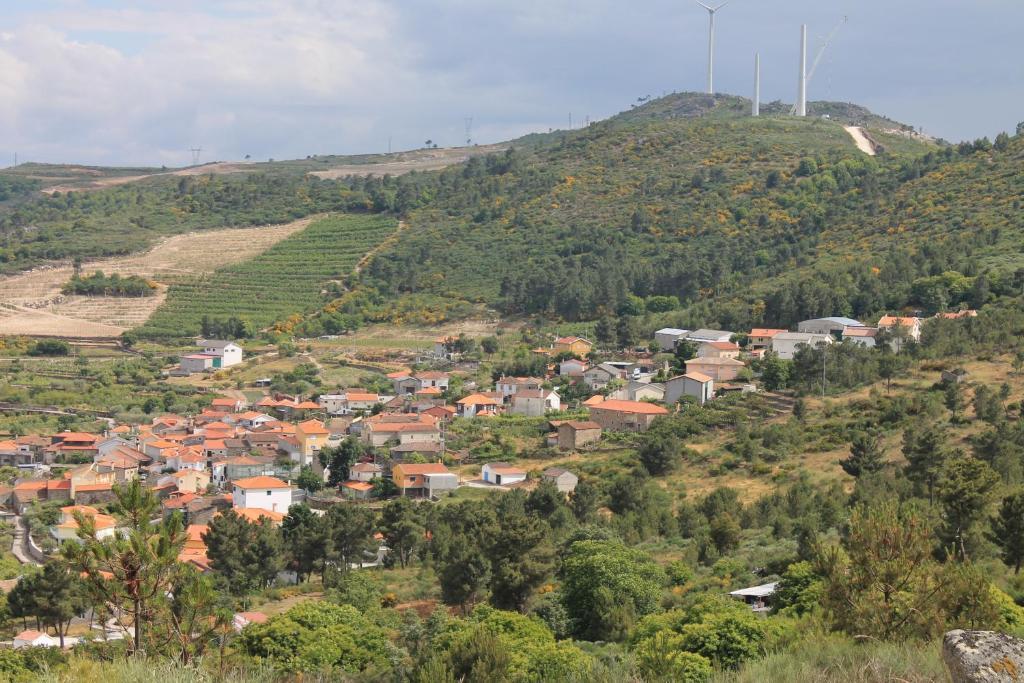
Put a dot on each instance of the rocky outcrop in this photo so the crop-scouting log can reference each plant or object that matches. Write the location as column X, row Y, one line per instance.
column 983, row 657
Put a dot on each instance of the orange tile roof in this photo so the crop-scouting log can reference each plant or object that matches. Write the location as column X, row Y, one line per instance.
column 360, row 396
column 637, row 407
column 893, row 320
column 477, row 400
column 358, row 485
column 77, row 436
column 261, row 482
column 698, row 377
column 254, row 514
column 594, row 400
column 312, row 427
column 306, row 405
column 421, row 468
column 570, row 340
column 94, row 487
column 723, row 346
column 765, row 332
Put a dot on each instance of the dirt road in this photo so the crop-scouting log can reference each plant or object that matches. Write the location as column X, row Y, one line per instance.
column 863, row 143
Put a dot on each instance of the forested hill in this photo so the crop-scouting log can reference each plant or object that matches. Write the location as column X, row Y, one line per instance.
column 742, row 220
column 648, row 203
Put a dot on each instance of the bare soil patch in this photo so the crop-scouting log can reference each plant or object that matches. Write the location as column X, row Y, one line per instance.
column 32, row 304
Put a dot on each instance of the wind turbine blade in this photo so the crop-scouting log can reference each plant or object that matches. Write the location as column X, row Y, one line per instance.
column 703, row 5
column 722, row 5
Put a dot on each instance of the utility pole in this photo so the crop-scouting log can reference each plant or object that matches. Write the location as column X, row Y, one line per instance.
column 196, row 151
column 824, row 355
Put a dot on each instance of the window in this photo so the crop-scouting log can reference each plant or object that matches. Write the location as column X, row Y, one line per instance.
column 268, row 493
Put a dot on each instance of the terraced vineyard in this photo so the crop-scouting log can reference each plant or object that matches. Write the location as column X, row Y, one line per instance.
column 288, row 278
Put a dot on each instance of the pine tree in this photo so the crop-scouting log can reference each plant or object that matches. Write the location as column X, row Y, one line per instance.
column 1008, row 530
column 924, row 449
column 866, row 455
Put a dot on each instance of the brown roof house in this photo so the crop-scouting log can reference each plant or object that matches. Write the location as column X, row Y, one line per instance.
column 626, row 416
column 577, row 434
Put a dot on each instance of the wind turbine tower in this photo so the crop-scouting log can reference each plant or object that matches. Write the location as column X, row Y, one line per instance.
column 801, row 97
column 757, row 85
column 711, row 43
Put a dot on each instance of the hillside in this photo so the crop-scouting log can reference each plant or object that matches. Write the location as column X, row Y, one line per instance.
column 723, row 218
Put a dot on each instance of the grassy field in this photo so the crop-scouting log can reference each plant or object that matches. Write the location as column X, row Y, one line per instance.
column 288, row 278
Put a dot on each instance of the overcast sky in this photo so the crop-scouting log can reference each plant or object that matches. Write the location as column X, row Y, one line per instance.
column 116, row 82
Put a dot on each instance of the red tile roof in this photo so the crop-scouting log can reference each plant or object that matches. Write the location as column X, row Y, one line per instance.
column 637, row 407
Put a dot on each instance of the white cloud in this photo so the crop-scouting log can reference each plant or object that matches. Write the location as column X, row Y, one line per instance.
column 141, row 82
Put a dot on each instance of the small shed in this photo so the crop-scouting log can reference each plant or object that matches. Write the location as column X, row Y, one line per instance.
column 758, row 597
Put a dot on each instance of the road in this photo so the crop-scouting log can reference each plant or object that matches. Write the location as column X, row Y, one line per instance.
column 20, row 545
column 863, row 143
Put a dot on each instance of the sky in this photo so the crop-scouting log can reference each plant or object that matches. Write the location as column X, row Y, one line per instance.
column 116, row 82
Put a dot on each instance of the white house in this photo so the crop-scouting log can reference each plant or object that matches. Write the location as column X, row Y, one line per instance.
column 785, row 344
column 225, row 353
column 507, row 386
column 32, row 638
column 572, row 367
column 864, row 336
column 702, row 336
column 265, row 493
column 563, row 479
column 695, row 384
column 900, row 329
column 502, row 474
column 832, row 325
column 196, row 362
column 365, row 471
column 535, row 402
column 67, row 528
column 598, row 377
column 668, row 337
column 335, row 404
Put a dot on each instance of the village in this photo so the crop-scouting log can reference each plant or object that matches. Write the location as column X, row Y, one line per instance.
column 258, row 458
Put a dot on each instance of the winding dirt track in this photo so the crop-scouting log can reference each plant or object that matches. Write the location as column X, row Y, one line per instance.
column 32, row 304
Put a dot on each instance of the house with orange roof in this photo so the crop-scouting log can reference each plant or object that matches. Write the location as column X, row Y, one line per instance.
column 231, row 405
column 577, row 346
column 441, row 413
column 423, row 479
column 243, row 619
column 476, row 405
column 67, row 528
column 187, row 481
column 123, row 467
column 92, row 494
column 573, row 434
column 502, row 474
column 718, row 349
column 382, row 430
column 718, row 369
column 32, row 638
column 194, row 551
column 625, row 416
column 255, row 515
column 312, row 436
column 268, row 493
column 900, row 328
column 697, row 385
column 357, row 490
column 761, row 337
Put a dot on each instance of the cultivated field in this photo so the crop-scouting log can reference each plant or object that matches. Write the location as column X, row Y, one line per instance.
column 32, row 304
column 287, row 279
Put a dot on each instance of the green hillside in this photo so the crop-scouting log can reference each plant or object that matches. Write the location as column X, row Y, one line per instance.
column 288, row 278
column 742, row 220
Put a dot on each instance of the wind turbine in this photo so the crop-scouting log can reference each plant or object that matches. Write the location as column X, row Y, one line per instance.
column 711, row 43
